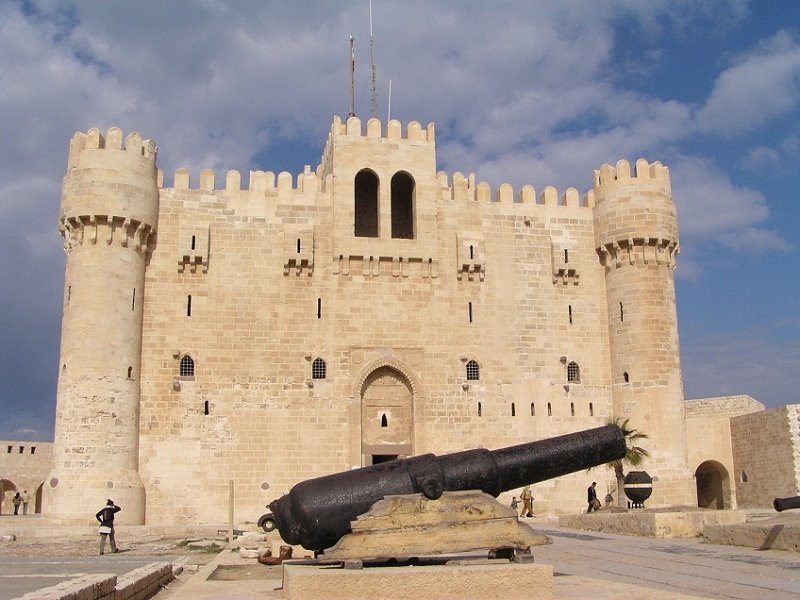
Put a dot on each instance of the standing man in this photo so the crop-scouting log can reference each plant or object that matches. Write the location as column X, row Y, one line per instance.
column 527, row 502
column 26, row 497
column 106, row 530
column 591, row 493
column 16, row 502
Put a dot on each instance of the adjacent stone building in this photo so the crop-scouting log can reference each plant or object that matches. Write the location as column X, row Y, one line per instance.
column 23, row 467
column 369, row 309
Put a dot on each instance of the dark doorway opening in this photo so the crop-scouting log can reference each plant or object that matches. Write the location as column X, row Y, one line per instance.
column 381, row 458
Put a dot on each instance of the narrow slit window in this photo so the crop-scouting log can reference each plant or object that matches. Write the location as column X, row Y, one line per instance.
column 626, row 377
column 319, row 308
column 33, row 449
column 549, row 410
column 533, row 409
column 318, row 369
column 194, row 241
column 572, row 409
column 22, row 449
column 133, row 299
column 479, row 414
column 473, row 371
column 69, row 293
column 384, row 420
column 621, row 312
column 566, row 256
column 513, row 410
column 189, row 306
column 471, row 252
column 187, row 367
column 570, row 314
column 470, row 312
column 130, row 372
column 591, row 409
column 205, row 407
column 298, row 245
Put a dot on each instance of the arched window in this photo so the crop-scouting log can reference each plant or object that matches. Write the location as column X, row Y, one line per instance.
column 573, row 373
column 384, row 420
column 187, row 366
column 533, row 409
column 366, row 204
column 549, row 410
column 318, row 369
column 473, row 371
column 403, row 206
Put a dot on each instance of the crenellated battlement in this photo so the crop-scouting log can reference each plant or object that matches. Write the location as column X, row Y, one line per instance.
column 465, row 188
column 113, row 140
column 260, row 181
column 644, row 171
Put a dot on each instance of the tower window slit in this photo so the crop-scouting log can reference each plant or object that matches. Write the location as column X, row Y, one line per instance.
column 533, row 409
column 298, row 245
column 479, row 414
column 189, row 305
column 319, row 308
column 591, row 409
column 130, row 372
column 193, row 242
column 566, row 256
column 133, row 300
column 470, row 312
column 471, row 252
column 570, row 314
column 572, row 409
column 69, row 293
column 205, row 407
column 626, row 377
column 549, row 410
column 33, row 449
column 384, row 420
column 513, row 410
column 621, row 312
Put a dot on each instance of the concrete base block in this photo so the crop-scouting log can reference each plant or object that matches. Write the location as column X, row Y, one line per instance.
column 665, row 524
column 765, row 536
column 507, row 580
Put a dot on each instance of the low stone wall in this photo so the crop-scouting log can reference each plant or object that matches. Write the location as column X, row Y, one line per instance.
column 510, row 581
column 654, row 524
column 138, row 584
column 776, row 536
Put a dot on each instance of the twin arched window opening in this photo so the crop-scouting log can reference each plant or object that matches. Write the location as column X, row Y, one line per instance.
column 366, row 207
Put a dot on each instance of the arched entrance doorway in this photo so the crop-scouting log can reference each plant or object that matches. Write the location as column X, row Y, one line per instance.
column 7, row 491
column 387, row 416
column 713, row 485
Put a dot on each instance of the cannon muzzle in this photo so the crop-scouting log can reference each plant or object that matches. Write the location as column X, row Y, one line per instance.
column 316, row 513
column 782, row 504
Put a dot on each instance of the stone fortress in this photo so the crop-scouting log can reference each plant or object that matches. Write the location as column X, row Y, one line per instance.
column 369, row 309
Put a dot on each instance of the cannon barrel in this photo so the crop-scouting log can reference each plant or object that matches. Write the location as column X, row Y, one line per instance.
column 316, row 513
column 786, row 503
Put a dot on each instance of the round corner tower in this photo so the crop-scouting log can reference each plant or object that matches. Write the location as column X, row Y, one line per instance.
column 109, row 210
column 636, row 238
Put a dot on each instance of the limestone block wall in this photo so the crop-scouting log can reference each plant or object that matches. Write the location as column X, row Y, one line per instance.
column 766, row 455
column 23, row 466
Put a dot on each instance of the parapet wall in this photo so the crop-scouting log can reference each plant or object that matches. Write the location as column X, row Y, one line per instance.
column 722, row 406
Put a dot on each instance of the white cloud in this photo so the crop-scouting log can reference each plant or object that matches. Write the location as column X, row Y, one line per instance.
column 761, row 84
column 759, row 159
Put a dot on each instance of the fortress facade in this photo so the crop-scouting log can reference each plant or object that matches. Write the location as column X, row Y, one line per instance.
column 369, row 309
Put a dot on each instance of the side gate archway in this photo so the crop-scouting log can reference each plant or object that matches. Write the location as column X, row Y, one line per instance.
column 713, row 485
column 387, row 393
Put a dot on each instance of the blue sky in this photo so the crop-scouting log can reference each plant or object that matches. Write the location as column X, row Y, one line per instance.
column 523, row 92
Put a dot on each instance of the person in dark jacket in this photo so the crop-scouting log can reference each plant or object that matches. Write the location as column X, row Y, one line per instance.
column 106, row 518
column 591, row 494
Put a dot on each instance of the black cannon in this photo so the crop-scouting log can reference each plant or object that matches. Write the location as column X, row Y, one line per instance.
column 316, row 513
column 781, row 504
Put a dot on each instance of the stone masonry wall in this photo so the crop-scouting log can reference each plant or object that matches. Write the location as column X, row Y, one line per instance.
column 766, row 453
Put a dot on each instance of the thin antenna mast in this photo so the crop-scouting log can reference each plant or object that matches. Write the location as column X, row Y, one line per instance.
column 352, row 112
column 372, row 61
column 389, row 112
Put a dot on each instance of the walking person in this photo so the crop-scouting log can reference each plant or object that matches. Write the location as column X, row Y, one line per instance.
column 26, row 498
column 16, row 501
column 106, row 530
column 527, row 501
column 591, row 493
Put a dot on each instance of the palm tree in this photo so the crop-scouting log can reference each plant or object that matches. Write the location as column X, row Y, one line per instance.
column 634, row 455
